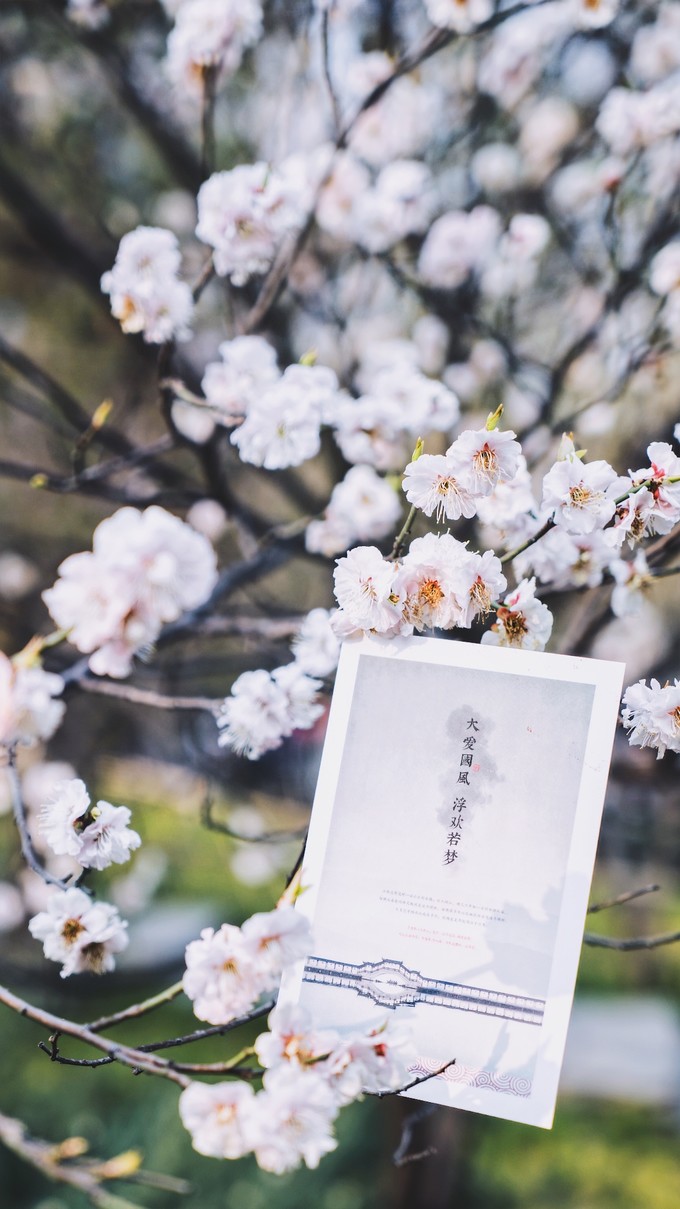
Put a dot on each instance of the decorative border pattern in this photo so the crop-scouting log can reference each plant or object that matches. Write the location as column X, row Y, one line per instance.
column 471, row 1076
column 390, row 984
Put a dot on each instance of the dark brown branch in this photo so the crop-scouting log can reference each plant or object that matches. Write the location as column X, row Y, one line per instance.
column 398, row 1091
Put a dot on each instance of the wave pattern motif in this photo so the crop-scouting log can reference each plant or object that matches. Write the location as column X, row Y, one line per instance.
column 471, row 1076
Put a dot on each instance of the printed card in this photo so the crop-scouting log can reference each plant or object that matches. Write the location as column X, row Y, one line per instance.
column 450, row 856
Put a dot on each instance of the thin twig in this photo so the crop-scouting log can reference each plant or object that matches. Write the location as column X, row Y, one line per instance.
column 144, row 696
column 414, row 1082
column 136, row 1059
column 41, row 1155
column 627, row 897
column 136, row 1009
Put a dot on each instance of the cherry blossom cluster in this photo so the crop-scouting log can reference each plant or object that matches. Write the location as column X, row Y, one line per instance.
column 309, row 1076
column 264, row 708
column 146, row 293
column 209, row 37
column 145, row 569
column 82, row 934
column 229, row 969
column 29, row 707
column 244, row 214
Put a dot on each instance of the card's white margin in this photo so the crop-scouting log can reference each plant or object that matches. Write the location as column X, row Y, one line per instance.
column 607, row 678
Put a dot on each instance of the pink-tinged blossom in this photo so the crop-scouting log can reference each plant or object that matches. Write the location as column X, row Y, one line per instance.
column 221, row 979
column 460, row 15
column 82, row 934
column 293, row 1038
column 217, row 1118
column 146, row 293
column 522, row 621
column 370, row 430
column 247, row 367
column 580, row 496
column 458, row 244
column 293, row 1119
column 664, row 467
column 365, row 591
column 265, row 708
column 510, row 509
column 488, row 458
column 97, row 836
column 402, row 123
column 652, row 715
column 440, row 485
column 28, row 709
column 210, row 36
column 428, row 581
column 373, row 1060
column 635, row 518
column 243, row 214
column 315, row 646
column 481, row 581
column 335, row 212
column 145, row 569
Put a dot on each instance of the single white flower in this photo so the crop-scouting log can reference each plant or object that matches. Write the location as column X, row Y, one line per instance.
column 440, row 485
column 480, row 582
column 293, row 1119
column 221, row 978
column 459, row 15
column 428, row 581
column 315, row 646
column 293, row 1038
column 243, row 214
column 276, row 939
column 216, row 1116
column 631, row 580
column 210, row 36
column 364, row 589
column 247, row 367
column 580, row 495
column 488, row 458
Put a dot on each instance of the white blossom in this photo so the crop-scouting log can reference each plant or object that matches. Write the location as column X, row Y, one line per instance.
column 363, row 506
column 217, row 1117
column 457, row 245
column 315, row 646
column 210, row 35
column 28, row 709
column 146, row 293
column 97, row 836
column 247, row 367
column 481, row 581
column 291, row 1037
column 283, row 424
column 145, row 569
column 276, row 939
column 429, row 581
column 90, row 14
column 522, row 621
column 221, row 978
column 265, row 708
column 365, row 590
column 631, row 580
column 82, row 934
column 440, row 485
column 652, row 715
column 400, row 203
column 293, row 1119
column 488, row 458
column 459, row 15
column 243, row 214
column 580, row 496
column 594, row 14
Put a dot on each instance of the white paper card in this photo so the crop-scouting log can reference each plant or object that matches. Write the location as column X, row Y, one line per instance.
column 450, row 855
